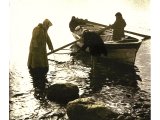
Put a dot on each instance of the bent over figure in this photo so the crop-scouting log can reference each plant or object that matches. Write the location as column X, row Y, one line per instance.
column 37, row 58
column 95, row 43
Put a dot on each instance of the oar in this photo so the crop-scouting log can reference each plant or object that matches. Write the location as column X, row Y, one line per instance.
column 138, row 34
column 134, row 33
column 63, row 47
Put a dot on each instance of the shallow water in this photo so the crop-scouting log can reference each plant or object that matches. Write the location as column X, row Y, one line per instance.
column 117, row 85
column 123, row 88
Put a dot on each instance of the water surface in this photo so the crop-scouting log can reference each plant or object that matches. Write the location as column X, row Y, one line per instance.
column 119, row 86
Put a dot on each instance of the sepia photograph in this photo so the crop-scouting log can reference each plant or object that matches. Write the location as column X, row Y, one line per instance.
column 79, row 60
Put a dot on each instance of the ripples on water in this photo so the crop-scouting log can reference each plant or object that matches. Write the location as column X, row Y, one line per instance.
column 118, row 85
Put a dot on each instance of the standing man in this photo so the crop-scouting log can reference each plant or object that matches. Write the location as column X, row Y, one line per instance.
column 37, row 59
column 118, row 27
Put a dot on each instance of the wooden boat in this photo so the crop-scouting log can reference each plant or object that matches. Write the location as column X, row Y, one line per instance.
column 123, row 51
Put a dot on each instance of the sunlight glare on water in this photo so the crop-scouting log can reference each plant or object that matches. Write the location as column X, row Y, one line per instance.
column 28, row 103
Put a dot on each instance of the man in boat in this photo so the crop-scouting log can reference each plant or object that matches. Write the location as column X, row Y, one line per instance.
column 37, row 59
column 118, row 27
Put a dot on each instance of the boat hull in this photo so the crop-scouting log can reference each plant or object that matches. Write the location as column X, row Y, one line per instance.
column 126, row 56
column 121, row 52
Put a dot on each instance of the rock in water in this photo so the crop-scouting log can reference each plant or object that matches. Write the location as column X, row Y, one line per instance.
column 62, row 92
column 89, row 109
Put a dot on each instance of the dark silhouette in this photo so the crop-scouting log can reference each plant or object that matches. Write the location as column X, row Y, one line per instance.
column 94, row 42
column 37, row 58
column 118, row 27
column 39, row 81
column 91, row 40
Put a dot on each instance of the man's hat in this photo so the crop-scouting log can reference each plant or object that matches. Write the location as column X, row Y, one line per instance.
column 118, row 14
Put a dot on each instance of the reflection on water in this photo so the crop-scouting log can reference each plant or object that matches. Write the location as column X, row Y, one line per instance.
column 108, row 73
column 119, row 86
column 39, row 81
column 113, row 76
column 115, row 84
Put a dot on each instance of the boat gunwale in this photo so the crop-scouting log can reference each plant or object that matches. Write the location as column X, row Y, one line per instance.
column 120, row 42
